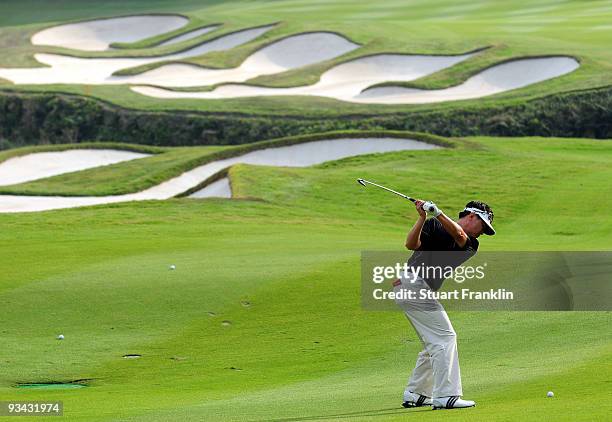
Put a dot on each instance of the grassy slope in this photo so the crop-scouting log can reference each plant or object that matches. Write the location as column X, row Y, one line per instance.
column 514, row 29
column 136, row 175
column 115, row 179
column 304, row 348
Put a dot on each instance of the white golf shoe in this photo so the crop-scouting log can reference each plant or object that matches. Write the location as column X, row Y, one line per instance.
column 415, row 400
column 452, row 402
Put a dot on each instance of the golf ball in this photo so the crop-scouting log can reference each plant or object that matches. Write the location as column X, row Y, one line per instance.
column 60, row 337
column 550, row 394
column 173, row 267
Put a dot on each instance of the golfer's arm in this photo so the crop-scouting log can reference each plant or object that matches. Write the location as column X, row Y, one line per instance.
column 413, row 241
column 454, row 229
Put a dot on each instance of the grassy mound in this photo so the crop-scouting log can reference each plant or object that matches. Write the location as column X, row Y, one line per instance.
column 137, row 175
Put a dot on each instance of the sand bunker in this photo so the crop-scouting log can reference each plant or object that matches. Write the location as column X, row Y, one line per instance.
column 352, row 81
column 349, row 81
column 289, row 53
column 343, row 82
column 45, row 164
column 97, row 35
column 500, row 78
column 219, row 189
column 190, row 35
column 299, row 155
column 77, row 70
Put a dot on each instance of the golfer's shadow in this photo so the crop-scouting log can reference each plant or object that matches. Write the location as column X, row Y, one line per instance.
column 362, row 413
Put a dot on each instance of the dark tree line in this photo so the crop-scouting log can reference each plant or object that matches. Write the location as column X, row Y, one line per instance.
column 29, row 119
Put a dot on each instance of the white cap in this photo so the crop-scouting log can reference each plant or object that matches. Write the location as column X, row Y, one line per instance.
column 486, row 217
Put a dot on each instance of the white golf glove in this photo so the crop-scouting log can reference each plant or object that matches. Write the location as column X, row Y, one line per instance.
column 431, row 209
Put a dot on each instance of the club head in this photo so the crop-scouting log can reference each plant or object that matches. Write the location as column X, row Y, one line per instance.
column 361, row 182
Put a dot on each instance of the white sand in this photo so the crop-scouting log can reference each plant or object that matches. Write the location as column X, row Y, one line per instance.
column 190, row 35
column 349, row 81
column 500, row 78
column 76, row 70
column 299, row 155
column 219, row 189
column 96, row 35
column 289, row 53
column 297, row 51
column 46, row 164
column 344, row 81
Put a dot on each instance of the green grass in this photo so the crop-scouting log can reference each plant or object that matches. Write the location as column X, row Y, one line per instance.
column 303, row 349
column 115, row 179
column 510, row 29
column 137, row 175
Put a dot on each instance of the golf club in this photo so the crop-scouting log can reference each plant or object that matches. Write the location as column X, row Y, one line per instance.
column 426, row 206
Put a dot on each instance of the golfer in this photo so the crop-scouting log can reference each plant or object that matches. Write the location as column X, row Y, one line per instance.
column 438, row 241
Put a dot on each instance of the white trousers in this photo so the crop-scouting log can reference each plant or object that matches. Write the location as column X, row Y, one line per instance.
column 436, row 373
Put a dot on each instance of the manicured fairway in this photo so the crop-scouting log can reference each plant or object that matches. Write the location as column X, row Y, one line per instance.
column 281, row 269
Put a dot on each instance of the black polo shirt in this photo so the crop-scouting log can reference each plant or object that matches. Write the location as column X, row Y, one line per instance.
column 438, row 248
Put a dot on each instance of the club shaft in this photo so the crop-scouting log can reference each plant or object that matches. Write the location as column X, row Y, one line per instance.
column 390, row 190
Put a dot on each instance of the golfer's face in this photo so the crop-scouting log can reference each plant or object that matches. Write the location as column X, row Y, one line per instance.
column 477, row 226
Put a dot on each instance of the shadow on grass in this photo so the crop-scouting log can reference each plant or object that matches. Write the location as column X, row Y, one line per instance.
column 362, row 413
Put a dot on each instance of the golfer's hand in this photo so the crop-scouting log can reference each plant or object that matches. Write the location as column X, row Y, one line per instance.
column 419, row 207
